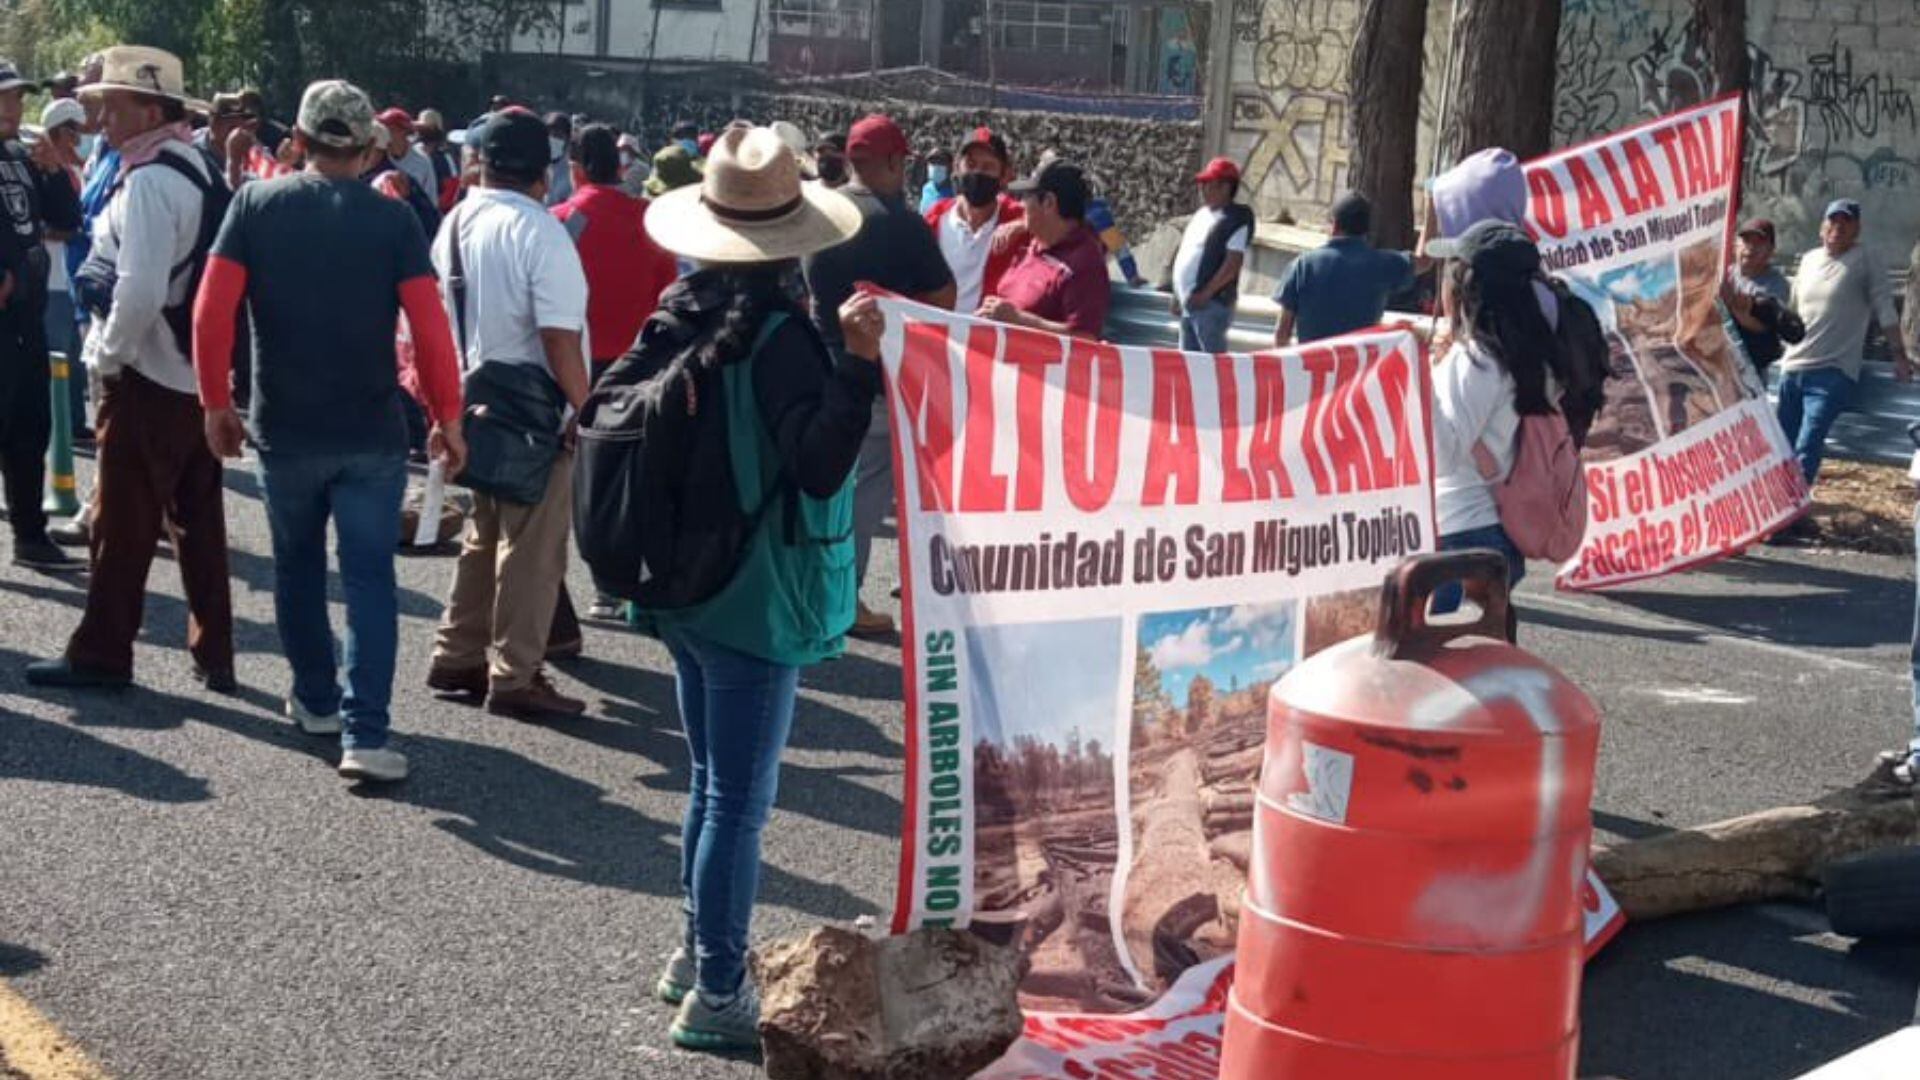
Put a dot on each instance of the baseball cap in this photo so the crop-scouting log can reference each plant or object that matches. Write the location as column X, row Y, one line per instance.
column 984, row 136
column 10, row 77
column 431, row 120
column 1498, row 251
column 1487, row 185
column 876, row 136
column 61, row 111
column 1062, row 179
column 396, row 118
column 230, row 107
column 1219, row 168
column 1761, row 228
column 686, row 129
column 336, row 113
column 514, row 143
column 1846, row 208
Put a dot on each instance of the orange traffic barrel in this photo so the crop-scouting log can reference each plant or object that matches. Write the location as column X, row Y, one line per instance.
column 1420, row 848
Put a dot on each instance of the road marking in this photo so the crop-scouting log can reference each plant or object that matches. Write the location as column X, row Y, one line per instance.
column 1814, row 997
column 1692, row 695
column 1707, row 635
column 31, row 1046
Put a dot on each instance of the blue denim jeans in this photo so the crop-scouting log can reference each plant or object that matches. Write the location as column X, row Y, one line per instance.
column 1810, row 401
column 1205, row 330
column 1446, row 599
column 362, row 493
column 737, row 711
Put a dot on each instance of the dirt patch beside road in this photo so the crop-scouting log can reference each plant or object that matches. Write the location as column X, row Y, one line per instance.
column 1865, row 508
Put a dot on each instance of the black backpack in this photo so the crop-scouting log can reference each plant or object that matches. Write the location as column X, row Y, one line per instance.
column 657, row 508
column 215, row 197
column 1588, row 361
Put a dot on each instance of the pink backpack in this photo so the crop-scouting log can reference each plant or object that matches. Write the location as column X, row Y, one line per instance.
column 1543, row 501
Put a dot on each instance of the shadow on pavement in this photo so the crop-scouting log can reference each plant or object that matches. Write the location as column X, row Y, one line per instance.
column 1826, row 606
column 34, row 749
column 1760, row 993
column 18, row 960
column 1628, row 828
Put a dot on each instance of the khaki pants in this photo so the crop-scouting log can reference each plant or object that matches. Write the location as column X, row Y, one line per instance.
column 513, row 561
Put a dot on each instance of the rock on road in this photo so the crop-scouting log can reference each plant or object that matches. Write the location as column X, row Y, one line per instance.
column 189, row 891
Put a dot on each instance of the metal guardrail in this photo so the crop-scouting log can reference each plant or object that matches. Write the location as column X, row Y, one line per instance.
column 1873, row 429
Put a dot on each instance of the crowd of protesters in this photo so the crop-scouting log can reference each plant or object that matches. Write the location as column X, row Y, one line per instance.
column 334, row 292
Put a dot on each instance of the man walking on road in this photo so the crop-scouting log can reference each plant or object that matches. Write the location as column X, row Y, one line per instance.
column 1343, row 285
column 894, row 250
column 35, row 197
column 155, row 470
column 325, row 265
column 1839, row 291
column 1206, row 270
column 525, row 303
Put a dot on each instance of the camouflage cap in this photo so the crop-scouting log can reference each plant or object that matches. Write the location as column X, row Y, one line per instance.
column 338, row 114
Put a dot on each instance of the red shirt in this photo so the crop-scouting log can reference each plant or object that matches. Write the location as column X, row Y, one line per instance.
column 626, row 271
column 1066, row 283
column 1010, row 212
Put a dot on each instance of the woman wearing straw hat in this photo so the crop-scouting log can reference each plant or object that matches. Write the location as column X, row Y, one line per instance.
column 738, row 656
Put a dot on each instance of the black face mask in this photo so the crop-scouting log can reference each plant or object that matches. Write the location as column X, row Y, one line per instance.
column 832, row 169
column 979, row 189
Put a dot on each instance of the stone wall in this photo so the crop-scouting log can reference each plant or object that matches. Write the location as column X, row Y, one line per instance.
column 1831, row 111
column 1143, row 168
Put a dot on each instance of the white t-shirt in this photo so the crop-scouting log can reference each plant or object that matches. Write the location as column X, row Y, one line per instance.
column 147, row 230
column 1472, row 403
column 966, row 252
column 523, row 276
column 1193, row 246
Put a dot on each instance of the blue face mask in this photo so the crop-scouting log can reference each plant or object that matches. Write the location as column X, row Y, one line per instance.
column 937, row 175
column 692, row 146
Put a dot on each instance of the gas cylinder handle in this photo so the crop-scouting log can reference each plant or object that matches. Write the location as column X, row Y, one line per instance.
column 1403, row 631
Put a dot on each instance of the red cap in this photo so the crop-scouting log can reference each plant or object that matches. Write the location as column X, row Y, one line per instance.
column 984, row 136
column 1759, row 227
column 1218, row 169
column 876, row 136
column 396, row 118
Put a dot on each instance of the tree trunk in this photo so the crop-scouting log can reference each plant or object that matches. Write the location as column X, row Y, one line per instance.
column 1504, row 60
column 1383, row 113
column 1723, row 25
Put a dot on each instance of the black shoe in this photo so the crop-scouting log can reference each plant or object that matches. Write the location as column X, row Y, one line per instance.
column 218, row 680
column 75, row 534
column 64, row 673
column 40, row 553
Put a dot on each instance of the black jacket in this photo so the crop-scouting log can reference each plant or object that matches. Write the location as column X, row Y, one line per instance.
column 33, row 202
column 1233, row 218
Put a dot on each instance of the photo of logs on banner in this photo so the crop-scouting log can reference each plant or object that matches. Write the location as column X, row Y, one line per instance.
column 1686, row 463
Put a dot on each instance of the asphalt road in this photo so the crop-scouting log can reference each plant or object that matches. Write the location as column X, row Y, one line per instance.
column 188, row 889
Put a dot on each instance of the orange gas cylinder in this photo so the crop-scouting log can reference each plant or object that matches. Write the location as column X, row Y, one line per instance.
column 1413, row 907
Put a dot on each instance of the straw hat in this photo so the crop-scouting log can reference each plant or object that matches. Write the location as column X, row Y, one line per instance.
column 154, row 72
column 751, row 206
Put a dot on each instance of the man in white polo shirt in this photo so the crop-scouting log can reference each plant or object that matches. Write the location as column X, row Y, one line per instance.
column 525, row 303
column 967, row 223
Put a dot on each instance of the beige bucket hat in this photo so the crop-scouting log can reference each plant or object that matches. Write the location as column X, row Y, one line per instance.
column 751, row 206
column 144, row 70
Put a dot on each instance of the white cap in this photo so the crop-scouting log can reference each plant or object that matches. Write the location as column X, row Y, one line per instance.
column 62, row 111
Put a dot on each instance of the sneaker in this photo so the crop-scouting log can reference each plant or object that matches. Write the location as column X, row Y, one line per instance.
column 537, row 700
column 73, row 533
column 676, row 981
column 313, row 723
column 378, row 766
column 733, row 1024
column 471, row 682
column 40, row 553
column 868, row 623
column 65, row 674
column 607, row 609
column 1900, row 767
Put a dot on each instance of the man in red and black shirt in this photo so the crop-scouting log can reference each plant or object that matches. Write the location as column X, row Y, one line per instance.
column 975, row 227
column 1060, row 284
column 326, row 265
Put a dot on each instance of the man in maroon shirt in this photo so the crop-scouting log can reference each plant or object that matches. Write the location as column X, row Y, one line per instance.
column 1060, row 284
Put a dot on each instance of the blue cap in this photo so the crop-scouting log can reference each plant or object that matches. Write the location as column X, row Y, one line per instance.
column 1846, row 208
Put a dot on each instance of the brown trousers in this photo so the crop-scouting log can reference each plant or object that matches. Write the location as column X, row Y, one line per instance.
column 155, row 472
column 506, row 586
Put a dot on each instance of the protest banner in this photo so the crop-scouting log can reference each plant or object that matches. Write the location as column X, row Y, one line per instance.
column 1686, row 463
column 1108, row 556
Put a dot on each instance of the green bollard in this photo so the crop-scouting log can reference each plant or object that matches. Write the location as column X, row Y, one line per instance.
column 63, row 498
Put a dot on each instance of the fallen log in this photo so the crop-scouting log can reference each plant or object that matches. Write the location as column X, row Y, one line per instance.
column 1775, row 854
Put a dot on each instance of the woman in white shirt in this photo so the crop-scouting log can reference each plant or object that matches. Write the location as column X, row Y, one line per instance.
column 1505, row 363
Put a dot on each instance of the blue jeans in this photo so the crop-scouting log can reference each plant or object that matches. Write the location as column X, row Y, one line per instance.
column 737, row 711
column 1446, row 599
column 1810, row 401
column 362, row 493
column 1205, row 330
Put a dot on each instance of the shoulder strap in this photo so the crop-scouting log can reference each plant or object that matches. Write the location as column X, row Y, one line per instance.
column 457, row 281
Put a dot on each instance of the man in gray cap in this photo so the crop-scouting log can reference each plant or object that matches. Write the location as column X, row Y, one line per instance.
column 1840, row 290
